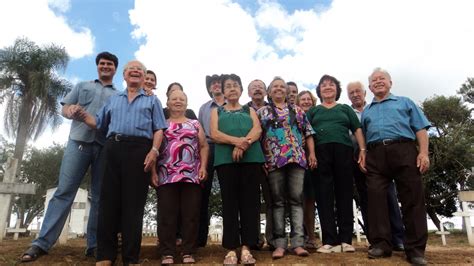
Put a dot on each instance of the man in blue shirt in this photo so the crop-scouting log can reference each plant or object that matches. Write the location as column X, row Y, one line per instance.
column 393, row 125
column 134, row 123
column 83, row 150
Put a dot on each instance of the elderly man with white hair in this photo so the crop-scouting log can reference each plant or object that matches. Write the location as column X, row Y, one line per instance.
column 397, row 141
column 134, row 123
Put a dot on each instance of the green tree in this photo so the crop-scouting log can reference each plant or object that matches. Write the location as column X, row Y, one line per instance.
column 30, row 89
column 40, row 167
column 467, row 90
column 451, row 149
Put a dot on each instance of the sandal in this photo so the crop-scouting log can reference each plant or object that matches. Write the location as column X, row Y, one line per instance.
column 310, row 244
column 188, row 259
column 32, row 253
column 230, row 258
column 167, row 260
column 246, row 258
column 299, row 251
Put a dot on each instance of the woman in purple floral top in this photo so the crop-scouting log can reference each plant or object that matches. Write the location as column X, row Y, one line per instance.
column 181, row 167
column 286, row 131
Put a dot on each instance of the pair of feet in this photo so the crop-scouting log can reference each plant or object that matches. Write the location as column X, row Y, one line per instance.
column 376, row 253
column 343, row 247
column 279, row 253
column 168, row 260
column 246, row 258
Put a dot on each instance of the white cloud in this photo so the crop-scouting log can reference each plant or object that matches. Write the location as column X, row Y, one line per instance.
column 425, row 44
column 37, row 21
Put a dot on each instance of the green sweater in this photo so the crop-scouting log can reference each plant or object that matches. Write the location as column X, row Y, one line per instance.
column 332, row 125
column 238, row 124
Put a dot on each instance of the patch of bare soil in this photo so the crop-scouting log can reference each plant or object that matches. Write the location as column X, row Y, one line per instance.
column 457, row 252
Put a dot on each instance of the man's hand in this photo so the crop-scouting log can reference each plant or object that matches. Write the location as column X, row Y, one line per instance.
column 72, row 111
column 423, row 162
column 150, row 160
column 154, row 179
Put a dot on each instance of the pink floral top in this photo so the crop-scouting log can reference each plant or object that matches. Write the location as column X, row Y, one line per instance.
column 179, row 159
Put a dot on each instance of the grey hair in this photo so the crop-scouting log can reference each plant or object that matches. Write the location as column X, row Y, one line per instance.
column 275, row 79
column 379, row 69
column 356, row 83
column 132, row 61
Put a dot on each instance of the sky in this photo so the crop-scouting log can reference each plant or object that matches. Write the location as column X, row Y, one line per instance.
column 426, row 45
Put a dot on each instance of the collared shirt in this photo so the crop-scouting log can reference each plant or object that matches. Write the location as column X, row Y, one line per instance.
column 392, row 118
column 251, row 104
column 91, row 95
column 358, row 114
column 204, row 117
column 139, row 118
column 282, row 142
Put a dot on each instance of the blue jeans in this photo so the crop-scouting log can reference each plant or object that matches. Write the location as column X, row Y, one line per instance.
column 77, row 158
column 286, row 185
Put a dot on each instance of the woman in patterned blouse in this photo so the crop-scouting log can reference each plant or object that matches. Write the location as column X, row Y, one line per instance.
column 180, row 169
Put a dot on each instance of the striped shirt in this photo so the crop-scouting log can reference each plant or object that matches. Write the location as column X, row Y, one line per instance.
column 139, row 118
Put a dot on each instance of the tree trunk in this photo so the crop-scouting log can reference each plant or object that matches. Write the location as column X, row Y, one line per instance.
column 22, row 134
column 434, row 218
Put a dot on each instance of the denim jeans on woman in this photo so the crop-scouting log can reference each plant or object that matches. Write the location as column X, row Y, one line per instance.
column 286, row 186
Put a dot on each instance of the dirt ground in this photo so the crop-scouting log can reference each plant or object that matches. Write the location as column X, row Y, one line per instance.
column 457, row 252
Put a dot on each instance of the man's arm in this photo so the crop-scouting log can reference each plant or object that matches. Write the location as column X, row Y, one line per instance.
column 422, row 160
column 150, row 159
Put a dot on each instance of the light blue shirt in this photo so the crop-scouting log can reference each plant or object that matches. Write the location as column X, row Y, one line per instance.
column 394, row 117
column 91, row 95
column 140, row 118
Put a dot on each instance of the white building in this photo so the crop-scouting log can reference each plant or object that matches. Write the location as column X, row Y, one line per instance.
column 79, row 212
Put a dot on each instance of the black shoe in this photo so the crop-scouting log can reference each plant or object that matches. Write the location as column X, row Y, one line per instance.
column 399, row 247
column 91, row 252
column 417, row 261
column 375, row 253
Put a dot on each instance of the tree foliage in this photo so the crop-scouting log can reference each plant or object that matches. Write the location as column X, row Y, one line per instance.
column 451, row 149
column 467, row 90
column 30, row 89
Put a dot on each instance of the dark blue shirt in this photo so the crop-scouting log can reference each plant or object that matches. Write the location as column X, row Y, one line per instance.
column 139, row 118
column 394, row 117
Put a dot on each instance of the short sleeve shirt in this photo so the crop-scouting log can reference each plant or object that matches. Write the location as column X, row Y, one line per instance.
column 394, row 117
column 91, row 95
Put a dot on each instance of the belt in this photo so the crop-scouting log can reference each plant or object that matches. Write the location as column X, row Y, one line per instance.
column 125, row 138
column 386, row 142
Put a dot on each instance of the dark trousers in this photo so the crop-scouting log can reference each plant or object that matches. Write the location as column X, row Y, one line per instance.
column 122, row 200
column 267, row 198
column 179, row 207
column 204, row 216
column 241, row 203
column 335, row 184
column 396, row 223
column 396, row 162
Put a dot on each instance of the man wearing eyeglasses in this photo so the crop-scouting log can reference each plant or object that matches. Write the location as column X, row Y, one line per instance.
column 83, row 150
column 134, row 124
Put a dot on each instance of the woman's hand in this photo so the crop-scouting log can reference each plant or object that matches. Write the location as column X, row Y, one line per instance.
column 237, row 154
column 361, row 160
column 312, row 162
column 202, row 173
column 154, row 179
column 242, row 143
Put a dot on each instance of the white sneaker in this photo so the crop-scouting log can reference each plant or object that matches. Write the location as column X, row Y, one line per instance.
column 347, row 247
column 329, row 249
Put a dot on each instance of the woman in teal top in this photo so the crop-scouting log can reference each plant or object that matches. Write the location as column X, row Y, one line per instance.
column 334, row 180
column 238, row 160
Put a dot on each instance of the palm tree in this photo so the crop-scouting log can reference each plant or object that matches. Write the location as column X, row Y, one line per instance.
column 30, row 89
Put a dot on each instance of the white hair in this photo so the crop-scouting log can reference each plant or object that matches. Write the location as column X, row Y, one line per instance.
column 379, row 69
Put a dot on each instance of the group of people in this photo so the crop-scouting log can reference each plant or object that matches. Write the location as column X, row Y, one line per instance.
column 295, row 153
